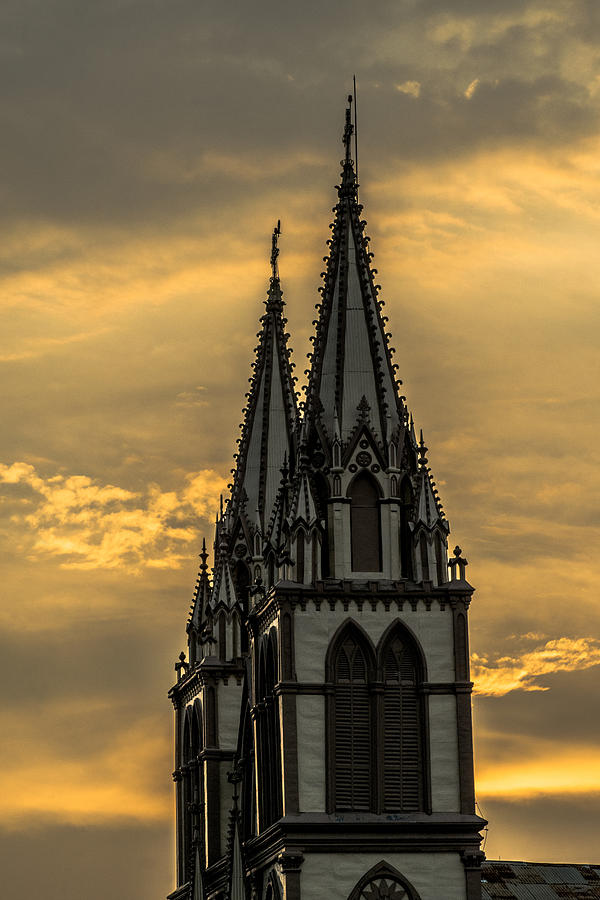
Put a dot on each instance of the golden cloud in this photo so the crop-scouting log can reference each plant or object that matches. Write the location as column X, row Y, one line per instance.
column 547, row 769
column 498, row 677
column 89, row 525
column 117, row 780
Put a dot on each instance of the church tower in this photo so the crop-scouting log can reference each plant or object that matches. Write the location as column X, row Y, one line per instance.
column 323, row 715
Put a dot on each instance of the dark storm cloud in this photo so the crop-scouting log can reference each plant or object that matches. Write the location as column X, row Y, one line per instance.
column 111, row 108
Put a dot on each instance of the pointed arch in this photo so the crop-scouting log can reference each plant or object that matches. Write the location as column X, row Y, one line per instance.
column 365, row 523
column 273, row 891
column 187, row 791
column 350, row 666
column 403, row 775
column 384, row 881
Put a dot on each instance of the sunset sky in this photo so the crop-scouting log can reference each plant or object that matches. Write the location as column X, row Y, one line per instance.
column 148, row 147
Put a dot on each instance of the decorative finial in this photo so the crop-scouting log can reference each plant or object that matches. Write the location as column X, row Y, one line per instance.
column 457, row 562
column 275, row 251
column 422, row 451
column 348, row 129
column 203, row 556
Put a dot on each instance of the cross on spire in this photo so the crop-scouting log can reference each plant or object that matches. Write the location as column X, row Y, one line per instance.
column 275, row 250
column 348, row 128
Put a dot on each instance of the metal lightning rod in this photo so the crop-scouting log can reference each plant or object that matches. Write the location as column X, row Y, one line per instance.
column 355, row 136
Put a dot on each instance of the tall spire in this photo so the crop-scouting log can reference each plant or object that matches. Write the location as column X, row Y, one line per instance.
column 270, row 414
column 351, row 358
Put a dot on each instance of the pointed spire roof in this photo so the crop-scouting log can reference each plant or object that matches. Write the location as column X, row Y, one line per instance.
column 271, row 411
column 351, row 358
column 202, row 592
column 429, row 507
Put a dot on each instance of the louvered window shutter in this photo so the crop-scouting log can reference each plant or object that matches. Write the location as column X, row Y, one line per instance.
column 402, row 774
column 352, row 730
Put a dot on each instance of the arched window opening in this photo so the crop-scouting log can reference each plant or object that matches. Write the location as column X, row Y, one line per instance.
column 300, row 557
column 424, row 557
column 187, row 795
column 402, row 753
column 440, row 559
column 322, row 492
column 365, row 524
column 383, row 882
column 352, row 769
column 406, row 502
column 462, row 662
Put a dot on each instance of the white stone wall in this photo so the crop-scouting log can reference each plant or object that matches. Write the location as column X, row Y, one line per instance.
column 313, row 633
column 310, row 714
column 436, row 876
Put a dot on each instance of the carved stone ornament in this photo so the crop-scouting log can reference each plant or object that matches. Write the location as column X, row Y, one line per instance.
column 364, row 458
column 383, row 889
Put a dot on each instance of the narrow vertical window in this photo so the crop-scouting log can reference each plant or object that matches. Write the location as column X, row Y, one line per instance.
column 424, row 558
column 322, row 492
column 402, row 766
column 406, row 500
column 222, row 638
column 440, row 559
column 352, row 729
column 365, row 525
column 300, row 557
column 460, row 648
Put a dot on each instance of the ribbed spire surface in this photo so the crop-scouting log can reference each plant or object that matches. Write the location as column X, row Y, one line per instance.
column 351, row 358
column 270, row 415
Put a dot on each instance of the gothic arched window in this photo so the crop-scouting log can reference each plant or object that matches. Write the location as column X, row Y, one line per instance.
column 365, row 524
column 269, row 762
column 351, row 778
column 383, row 882
column 376, row 735
column 402, row 737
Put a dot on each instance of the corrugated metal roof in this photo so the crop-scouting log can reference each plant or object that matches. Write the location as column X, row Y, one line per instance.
column 539, row 881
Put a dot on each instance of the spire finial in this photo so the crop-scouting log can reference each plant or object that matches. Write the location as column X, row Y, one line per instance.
column 275, row 251
column 348, row 128
column 203, row 556
column 422, row 452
